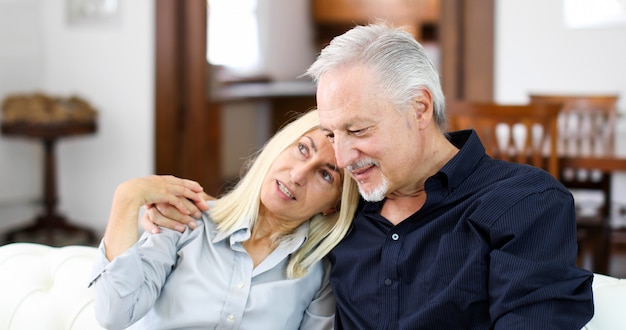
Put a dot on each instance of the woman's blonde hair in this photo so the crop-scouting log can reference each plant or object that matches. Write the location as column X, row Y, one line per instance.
column 241, row 205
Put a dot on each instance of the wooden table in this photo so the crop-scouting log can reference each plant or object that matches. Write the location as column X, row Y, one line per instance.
column 608, row 163
column 50, row 222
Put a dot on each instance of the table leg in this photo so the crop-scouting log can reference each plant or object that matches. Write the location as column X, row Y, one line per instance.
column 50, row 222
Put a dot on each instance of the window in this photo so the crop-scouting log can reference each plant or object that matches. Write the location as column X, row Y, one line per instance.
column 590, row 14
column 233, row 38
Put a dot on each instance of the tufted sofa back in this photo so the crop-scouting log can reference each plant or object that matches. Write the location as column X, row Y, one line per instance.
column 43, row 287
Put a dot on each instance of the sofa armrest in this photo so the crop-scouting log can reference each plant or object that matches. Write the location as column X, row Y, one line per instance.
column 45, row 287
column 609, row 295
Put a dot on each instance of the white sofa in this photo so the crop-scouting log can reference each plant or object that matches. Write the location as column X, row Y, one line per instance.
column 43, row 287
column 609, row 299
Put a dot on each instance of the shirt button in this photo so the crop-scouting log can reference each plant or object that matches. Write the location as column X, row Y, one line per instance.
column 230, row 318
column 240, row 285
column 395, row 237
column 387, row 282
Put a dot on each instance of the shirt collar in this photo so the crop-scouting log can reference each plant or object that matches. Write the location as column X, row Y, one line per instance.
column 291, row 242
column 471, row 151
column 455, row 171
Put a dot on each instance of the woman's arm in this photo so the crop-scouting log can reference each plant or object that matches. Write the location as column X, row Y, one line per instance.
column 320, row 314
column 121, row 232
column 128, row 282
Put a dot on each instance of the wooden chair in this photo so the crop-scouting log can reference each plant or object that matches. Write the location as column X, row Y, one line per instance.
column 586, row 122
column 519, row 133
column 587, row 127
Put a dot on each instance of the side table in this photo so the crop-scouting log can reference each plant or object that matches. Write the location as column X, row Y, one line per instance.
column 50, row 222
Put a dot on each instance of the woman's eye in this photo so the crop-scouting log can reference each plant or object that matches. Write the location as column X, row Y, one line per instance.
column 328, row 176
column 303, row 149
column 331, row 137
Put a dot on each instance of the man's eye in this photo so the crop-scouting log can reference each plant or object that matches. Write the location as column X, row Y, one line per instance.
column 358, row 132
column 331, row 137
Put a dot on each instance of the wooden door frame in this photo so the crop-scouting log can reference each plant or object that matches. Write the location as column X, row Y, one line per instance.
column 187, row 128
column 467, row 49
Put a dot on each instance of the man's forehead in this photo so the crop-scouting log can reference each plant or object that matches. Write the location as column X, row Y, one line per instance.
column 330, row 119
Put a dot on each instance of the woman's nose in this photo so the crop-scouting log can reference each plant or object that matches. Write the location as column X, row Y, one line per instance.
column 299, row 173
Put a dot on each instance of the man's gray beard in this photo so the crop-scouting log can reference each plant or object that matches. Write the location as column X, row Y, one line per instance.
column 378, row 194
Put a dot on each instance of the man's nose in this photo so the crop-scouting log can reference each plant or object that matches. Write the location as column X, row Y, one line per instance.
column 344, row 153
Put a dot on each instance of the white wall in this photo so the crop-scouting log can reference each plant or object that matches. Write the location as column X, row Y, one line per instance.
column 535, row 52
column 286, row 33
column 112, row 67
column 21, row 68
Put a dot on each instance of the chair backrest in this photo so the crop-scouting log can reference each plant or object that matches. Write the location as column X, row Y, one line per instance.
column 519, row 133
column 586, row 122
column 587, row 128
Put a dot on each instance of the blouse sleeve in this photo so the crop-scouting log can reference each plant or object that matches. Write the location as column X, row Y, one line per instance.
column 320, row 314
column 127, row 287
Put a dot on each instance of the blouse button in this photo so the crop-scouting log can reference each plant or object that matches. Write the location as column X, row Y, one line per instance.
column 230, row 318
column 395, row 237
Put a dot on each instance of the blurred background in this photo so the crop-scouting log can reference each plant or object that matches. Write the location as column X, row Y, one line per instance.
column 164, row 108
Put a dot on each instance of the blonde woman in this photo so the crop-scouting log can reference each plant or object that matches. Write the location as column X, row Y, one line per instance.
column 254, row 261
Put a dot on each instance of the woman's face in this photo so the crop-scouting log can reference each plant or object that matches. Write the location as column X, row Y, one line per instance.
column 303, row 180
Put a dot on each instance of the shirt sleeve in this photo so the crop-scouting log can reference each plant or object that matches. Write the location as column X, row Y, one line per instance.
column 127, row 287
column 320, row 313
column 534, row 282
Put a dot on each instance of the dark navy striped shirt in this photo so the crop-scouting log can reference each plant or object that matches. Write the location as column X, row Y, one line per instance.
column 493, row 247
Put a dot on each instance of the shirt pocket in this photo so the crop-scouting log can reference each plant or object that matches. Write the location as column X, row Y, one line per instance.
column 458, row 271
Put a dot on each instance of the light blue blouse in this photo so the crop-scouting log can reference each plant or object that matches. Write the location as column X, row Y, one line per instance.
column 203, row 279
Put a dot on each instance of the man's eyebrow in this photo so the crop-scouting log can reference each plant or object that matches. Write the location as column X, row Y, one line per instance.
column 324, row 129
column 331, row 166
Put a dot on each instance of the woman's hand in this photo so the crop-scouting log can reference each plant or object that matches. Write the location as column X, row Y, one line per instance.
column 184, row 196
column 168, row 216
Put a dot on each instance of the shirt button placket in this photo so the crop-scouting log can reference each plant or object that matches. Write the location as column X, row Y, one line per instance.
column 390, row 252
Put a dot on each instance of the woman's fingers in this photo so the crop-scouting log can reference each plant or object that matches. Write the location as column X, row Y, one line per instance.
column 164, row 215
column 170, row 202
column 146, row 222
column 186, row 195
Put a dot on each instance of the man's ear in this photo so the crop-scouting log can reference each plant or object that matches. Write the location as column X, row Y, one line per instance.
column 423, row 107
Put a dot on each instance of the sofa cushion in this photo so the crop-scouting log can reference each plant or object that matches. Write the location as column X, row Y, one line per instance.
column 45, row 287
column 609, row 297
